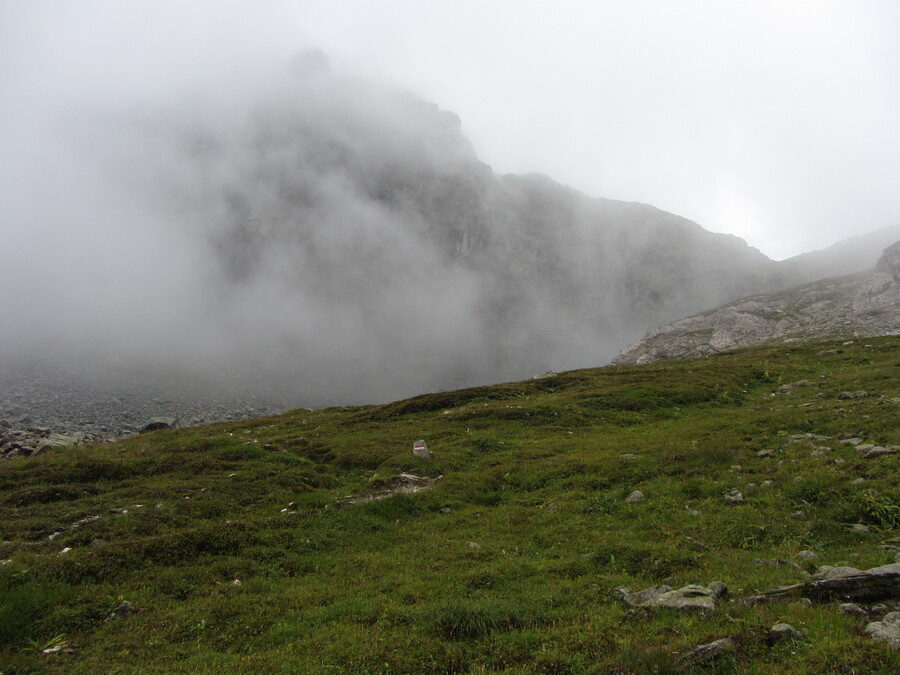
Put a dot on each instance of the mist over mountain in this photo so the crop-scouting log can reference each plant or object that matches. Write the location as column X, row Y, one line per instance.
column 845, row 257
column 329, row 236
column 865, row 304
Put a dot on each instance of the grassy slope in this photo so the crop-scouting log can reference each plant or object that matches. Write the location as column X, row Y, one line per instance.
column 532, row 475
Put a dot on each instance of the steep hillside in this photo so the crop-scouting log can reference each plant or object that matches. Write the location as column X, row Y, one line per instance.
column 852, row 255
column 316, row 541
column 861, row 305
column 326, row 240
column 357, row 244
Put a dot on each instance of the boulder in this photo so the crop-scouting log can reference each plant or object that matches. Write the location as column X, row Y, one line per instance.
column 710, row 651
column 639, row 598
column 849, row 395
column 784, row 631
column 157, row 423
column 123, row 611
column 841, row 583
column 887, row 630
column 852, row 609
column 688, row 598
column 829, row 572
column 59, row 441
column 734, row 496
column 878, row 451
column 794, row 385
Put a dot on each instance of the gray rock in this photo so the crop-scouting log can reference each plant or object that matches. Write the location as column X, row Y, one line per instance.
column 710, row 651
column 687, row 598
column 778, row 562
column 734, row 496
column 892, row 568
column 878, row 451
column 639, row 598
column 635, row 497
column 60, row 441
column 784, row 631
column 826, row 308
column 859, row 528
column 783, row 389
column 853, row 610
column 829, row 572
column 765, row 453
column 806, row 556
column 887, row 630
column 123, row 611
column 718, row 589
column 849, row 395
column 157, row 423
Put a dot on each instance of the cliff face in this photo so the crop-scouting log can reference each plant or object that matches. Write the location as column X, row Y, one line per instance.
column 357, row 229
column 861, row 305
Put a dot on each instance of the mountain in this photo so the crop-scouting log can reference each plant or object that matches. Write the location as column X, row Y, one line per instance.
column 355, row 230
column 845, row 257
column 860, row 305
column 341, row 242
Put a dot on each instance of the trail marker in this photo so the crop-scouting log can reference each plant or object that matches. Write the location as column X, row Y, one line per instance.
column 420, row 449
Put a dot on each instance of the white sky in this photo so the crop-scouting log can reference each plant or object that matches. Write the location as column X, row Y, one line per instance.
column 778, row 120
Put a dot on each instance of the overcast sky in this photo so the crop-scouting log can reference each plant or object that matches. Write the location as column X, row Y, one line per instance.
column 773, row 120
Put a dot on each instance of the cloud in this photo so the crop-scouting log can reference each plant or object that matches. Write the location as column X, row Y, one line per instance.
column 148, row 169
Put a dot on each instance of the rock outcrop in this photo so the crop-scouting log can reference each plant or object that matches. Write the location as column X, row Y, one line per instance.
column 861, row 305
column 343, row 242
column 368, row 210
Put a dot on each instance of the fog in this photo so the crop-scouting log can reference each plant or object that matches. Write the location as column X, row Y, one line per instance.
column 327, row 236
column 240, row 237
column 199, row 190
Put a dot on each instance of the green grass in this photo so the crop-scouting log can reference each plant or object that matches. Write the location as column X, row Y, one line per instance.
column 532, row 475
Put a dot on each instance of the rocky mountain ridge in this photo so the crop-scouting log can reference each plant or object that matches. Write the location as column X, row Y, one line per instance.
column 336, row 242
column 860, row 305
column 368, row 210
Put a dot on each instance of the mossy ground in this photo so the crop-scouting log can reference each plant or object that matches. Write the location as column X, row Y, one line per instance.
column 532, row 474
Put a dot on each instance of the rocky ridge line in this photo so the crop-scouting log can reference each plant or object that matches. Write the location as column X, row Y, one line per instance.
column 862, row 305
